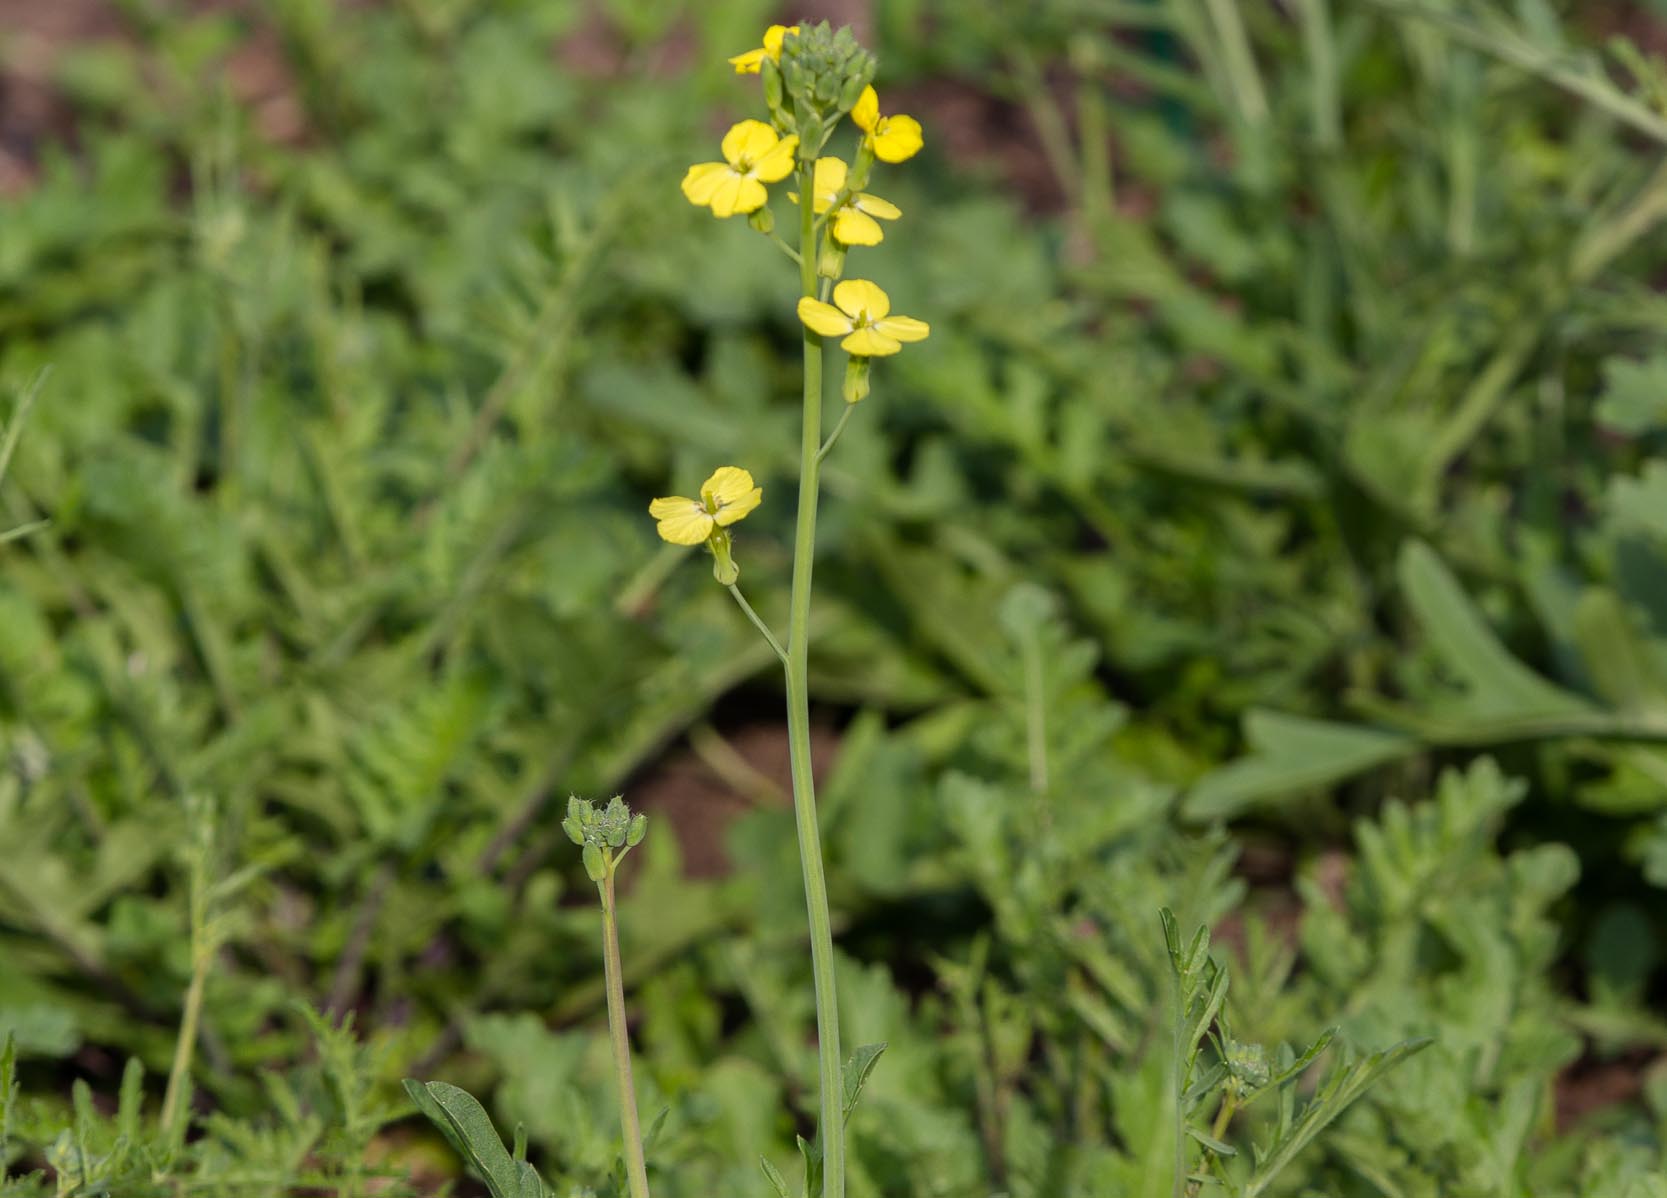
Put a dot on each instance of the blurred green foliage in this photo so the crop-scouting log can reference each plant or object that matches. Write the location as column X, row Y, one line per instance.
column 1292, row 364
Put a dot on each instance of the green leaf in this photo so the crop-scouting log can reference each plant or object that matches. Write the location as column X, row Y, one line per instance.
column 1634, row 398
column 857, row 1069
column 1213, row 1144
column 466, row 1124
column 1497, row 683
column 1291, row 755
column 774, row 1177
column 1346, row 1083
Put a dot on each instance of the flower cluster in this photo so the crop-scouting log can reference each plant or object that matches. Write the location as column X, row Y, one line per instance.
column 812, row 78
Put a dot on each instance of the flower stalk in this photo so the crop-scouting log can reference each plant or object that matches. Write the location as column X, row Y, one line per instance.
column 605, row 835
column 812, row 79
column 830, row 1082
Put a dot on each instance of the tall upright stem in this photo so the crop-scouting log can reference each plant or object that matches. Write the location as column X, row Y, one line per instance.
column 831, row 1122
column 636, row 1169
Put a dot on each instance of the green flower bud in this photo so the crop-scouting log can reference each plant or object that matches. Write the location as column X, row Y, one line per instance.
column 770, row 73
column 638, row 829
column 812, row 133
column 830, row 263
column 762, row 219
column 852, row 91
column 856, row 380
column 595, row 866
column 574, row 833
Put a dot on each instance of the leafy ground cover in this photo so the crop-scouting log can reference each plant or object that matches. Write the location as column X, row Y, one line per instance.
column 1273, row 530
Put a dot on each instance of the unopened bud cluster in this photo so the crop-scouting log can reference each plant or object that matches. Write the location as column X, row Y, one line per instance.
column 819, row 79
column 604, row 833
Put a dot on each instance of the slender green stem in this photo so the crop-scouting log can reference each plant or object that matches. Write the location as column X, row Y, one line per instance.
column 636, row 1169
column 1238, row 61
column 8, row 443
column 798, row 727
column 1224, row 1116
column 1177, row 1076
column 1036, row 716
column 827, row 446
column 758, row 623
column 781, row 245
column 202, row 958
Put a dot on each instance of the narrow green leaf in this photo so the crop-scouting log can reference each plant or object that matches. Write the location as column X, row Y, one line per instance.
column 1347, row 1083
column 1291, row 755
column 1213, row 1144
column 472, row 1133
column 857, row 1069
column 774, row 1177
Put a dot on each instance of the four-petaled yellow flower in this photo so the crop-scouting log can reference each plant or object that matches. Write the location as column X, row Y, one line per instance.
column 861, row 311
column 724, row 498
column 893, row 138
column 854, row 223
column 753, row 60
column 753, row 156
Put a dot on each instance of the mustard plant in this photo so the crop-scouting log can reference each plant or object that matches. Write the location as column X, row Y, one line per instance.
column 812, row 78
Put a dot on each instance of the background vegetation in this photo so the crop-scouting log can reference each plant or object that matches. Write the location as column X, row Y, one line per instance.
column 1274, row 529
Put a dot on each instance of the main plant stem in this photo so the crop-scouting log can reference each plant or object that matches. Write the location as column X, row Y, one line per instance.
column 636, row 1169
column 831, row 1122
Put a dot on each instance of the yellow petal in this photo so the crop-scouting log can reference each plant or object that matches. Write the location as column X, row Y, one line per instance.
column 747, row 142
column 750, row 62
column 731, row 512
column 830, row 177
column 903, row 328
column 898, row 139
column 750, row 196
column 823, row 318
column 671, row 505
column 682, row 521
column 772, row 39
column 727, row 484
column 776, row 163
column 867, row 109
column 861, row 300
column 875, row 206
column 869, row 343
column 726, row 196
column 703, row 181
column 851, row 227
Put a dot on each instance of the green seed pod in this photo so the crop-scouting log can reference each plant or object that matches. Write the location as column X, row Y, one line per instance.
column 724, row 568
column 856, row 380
column 638, row 829
column 595, row 866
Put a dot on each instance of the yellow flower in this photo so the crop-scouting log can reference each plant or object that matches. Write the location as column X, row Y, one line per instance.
column 894, row 138
column 750, row 62
column 861, row 312
column 753, row 156
column 854, row 223
column 724, row 498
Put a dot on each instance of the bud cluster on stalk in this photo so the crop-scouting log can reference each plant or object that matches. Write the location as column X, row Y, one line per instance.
column 604, row 833
column 818, row 80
